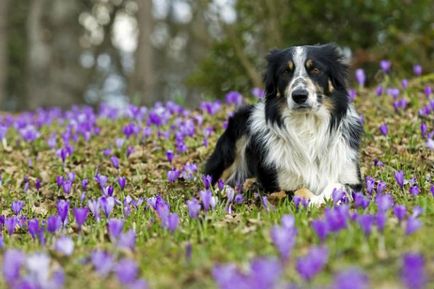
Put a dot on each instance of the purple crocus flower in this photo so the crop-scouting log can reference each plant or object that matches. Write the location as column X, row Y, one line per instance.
column 17, row 206
column 413, row 224
column 400, row 211
column 126, row 271
column 384, row 202
column 127, row 240
column 417, row 69
column 258, row 92
column 352, row 94
column 115, row 227
column 172, row 175
column 80, row 215
column 206, row 197
column 366, row 222
column 67, row 186
column 351, row 279
column 169, row 156
column 320, row 228
column 84, row 184
column 239, row 199
column 38, row 184
column 283, row 237
column 33, row 227
column 263, row 274
column 108, row 191
column 380, row 219
column 384, row 129
column 122, row 181
column 360, row 76
column 413, row 271
column 107, row 205
column 311, row 264
column 381, row 186
column 59, row 181
column 427, row 90
column 64, row 245
column 94, row 207
column 172, row 222
column 115, row 162
column 101, row 180
column 379, row 90
column 404, row 83
column 234, row 97
column 102, row 261
column 414, row 190
column 62, row 210
column 370, row 184
column 399, row 178
column 207, row 180
column 193, row 208
column 10, row 224
column 54, row 223
column 394, row 92
column 385, row 65
column 360, row 201
column 336, row 218
column 423, row 129
column 13, row 260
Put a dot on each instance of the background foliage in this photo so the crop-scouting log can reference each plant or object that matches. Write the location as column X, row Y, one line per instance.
column 61, row 53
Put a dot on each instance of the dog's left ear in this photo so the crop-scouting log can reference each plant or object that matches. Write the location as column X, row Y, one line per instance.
column 270, row 73
column 338, row 66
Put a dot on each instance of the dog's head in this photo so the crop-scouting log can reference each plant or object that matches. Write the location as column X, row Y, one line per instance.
column 305, row 79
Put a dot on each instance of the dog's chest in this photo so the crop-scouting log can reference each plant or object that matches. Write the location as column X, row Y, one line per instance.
column 304, row 155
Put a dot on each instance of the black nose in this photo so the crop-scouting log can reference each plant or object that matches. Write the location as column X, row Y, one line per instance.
column 299, row 95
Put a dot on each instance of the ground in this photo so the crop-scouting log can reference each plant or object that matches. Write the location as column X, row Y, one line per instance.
column 185, row 255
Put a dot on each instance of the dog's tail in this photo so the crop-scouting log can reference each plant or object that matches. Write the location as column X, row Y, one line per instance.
column 228, row 161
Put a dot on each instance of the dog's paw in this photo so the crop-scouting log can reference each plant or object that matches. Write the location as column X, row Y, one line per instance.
column 304, row 194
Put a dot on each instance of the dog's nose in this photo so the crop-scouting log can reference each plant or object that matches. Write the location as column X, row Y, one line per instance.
column 299, row 95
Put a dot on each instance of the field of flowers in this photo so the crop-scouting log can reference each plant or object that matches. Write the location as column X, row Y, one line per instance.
column 115, row 198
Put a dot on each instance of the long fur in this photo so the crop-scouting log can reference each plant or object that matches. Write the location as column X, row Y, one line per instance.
column 287, row 145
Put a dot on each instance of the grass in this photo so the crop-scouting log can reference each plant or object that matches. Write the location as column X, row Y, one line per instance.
column 216, row 236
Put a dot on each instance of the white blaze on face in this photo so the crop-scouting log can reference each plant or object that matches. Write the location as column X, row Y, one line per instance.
column 301, row 79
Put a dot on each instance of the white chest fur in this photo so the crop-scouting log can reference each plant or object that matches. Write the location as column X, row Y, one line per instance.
column 304, row 152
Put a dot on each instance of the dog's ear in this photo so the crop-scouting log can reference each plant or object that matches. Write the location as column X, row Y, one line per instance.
column 270, row 73
column 337, row 64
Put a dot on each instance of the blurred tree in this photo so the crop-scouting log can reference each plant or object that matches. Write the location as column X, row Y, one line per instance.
column 55, row 76
column 144, row 74
column 3, row 50
column 401, row 31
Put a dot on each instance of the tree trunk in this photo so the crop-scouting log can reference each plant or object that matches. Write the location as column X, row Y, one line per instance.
column 143, row 78
column 38, row 59
column 3, row 51
column 55, row 76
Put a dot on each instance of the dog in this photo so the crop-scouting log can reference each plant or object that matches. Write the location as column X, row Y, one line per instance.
column 305, row 134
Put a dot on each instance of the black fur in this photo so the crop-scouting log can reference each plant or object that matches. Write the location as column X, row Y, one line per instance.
column 224, row 154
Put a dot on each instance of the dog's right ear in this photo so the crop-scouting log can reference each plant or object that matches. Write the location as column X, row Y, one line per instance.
column 270, row 73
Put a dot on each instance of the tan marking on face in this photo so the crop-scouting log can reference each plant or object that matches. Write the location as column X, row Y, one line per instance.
column 331, row 87
column 319, row 88
column 309, row 63
column 328, row 104
column 290, row 65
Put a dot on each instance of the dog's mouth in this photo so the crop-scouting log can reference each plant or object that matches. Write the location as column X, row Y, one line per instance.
column 302, row 107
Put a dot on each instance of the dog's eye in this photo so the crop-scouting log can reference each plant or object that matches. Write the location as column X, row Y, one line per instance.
column 315, row 70
column 287, row 71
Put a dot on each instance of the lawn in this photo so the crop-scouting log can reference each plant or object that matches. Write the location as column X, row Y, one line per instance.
column 115, row 198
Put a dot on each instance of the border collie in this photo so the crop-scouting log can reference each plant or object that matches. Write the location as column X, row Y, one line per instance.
column 305, row 134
